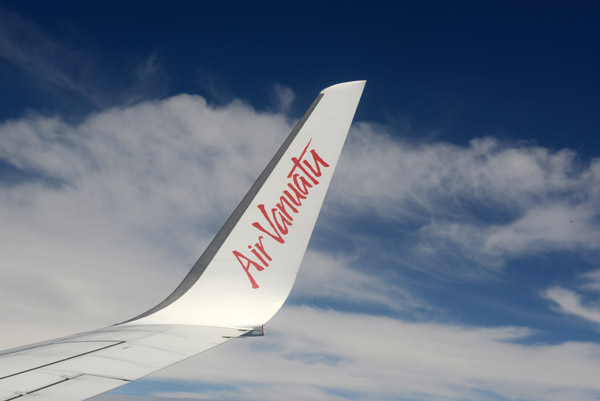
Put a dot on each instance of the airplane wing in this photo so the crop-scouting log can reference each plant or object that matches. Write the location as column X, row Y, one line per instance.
column 240, row 281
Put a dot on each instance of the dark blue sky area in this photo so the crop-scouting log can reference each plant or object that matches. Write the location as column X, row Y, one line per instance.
column 439, row 70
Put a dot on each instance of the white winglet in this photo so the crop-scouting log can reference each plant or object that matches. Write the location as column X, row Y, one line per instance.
column 240, row 281
column 248, row 270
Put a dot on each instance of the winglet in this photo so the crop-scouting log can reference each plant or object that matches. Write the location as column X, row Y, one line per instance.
column 247, row 271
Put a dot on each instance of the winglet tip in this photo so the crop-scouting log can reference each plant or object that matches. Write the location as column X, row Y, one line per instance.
column 345, row 85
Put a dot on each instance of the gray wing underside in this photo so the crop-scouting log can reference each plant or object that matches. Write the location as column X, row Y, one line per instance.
column 84, row 365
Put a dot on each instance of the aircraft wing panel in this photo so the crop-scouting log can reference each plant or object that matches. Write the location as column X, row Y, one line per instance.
column 84, row 365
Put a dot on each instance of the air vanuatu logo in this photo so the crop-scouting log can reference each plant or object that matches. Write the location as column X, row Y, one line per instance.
column 278, row 219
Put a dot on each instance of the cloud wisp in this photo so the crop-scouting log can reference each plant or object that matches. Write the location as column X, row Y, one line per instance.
column 62, row 72
column 571, row 302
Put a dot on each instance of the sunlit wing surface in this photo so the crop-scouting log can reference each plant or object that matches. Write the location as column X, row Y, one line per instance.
column 81, row 366
column 237, row 285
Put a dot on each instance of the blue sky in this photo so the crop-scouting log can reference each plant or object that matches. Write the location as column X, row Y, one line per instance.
column 456, row 256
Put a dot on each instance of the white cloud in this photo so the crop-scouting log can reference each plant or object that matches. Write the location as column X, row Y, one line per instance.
column 591, row 280
column 540, row 228
column 283, row 97
column 482, row 204
column 570, row 303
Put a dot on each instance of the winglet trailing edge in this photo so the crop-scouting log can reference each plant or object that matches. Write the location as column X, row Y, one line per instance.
column 247, row 271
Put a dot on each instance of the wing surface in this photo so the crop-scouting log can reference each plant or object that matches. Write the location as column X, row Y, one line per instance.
column 237, row 285
column 84, row 365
